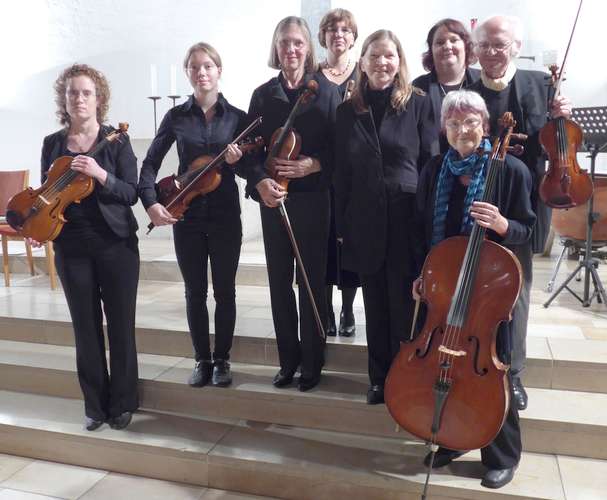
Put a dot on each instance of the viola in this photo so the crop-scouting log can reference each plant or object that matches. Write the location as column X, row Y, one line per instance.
column 565, row 184
column 38, row 213
column 203, row 175
column 448, row 386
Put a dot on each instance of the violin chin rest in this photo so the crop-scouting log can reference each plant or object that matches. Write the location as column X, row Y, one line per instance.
column 14, row 219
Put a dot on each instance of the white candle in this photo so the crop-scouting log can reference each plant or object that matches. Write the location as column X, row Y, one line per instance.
column 173, row 79
column 153, row 80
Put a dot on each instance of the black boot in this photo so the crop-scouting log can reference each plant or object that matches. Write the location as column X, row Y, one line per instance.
column 520, row 394
column 331, row 328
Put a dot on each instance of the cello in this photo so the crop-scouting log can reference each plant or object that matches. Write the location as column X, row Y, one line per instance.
column 176, row 192
column 38, row 213
column 565, row 184
column 456, row 393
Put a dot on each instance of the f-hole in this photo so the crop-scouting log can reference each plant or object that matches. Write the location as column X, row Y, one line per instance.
column 422, row 354
column 480, row 372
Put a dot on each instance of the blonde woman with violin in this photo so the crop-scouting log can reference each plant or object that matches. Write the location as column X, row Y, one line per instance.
column 211, row 228
column 96, row 251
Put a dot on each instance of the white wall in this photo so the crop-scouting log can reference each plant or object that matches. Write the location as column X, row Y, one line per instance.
column 122, row 38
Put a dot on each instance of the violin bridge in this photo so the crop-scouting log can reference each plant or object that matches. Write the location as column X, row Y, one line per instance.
column 43, row 199
column 451, row 352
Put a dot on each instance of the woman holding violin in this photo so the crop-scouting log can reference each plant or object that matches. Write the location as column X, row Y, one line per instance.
column 448, row 58
column 211, row 228
column 385, row 133
column 337, row 33
column 447, row 205
column 307, row 178
column 96, row 251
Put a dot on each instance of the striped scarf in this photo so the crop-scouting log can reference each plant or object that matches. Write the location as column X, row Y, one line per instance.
column 473, row 165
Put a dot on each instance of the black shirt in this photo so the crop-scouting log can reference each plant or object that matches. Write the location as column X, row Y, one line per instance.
column 186, row 124
column 498, row 102
column 453, row 224
column 378, row 102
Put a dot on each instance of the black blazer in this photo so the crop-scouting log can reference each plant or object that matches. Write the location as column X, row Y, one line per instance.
column 120, row 191
column 512, row 197
column 429, row 84
column 315, row 125
column 374, row 169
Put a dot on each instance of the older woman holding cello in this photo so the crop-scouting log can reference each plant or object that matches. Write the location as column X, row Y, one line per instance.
column 210, row 229
column 385, row 133
column 306, row 177
column 447, row 204
column 96, row 251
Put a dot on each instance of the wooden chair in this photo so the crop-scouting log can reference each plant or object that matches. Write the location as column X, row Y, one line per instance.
column 11, row 183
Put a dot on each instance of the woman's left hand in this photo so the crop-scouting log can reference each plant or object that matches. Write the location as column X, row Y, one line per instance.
column 292, row 169
column 488, row 216
column 233, row 154
column 89, row 167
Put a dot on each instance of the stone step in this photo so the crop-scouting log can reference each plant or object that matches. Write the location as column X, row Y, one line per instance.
column 553, row 363
column 556, row 421
column 275, row 460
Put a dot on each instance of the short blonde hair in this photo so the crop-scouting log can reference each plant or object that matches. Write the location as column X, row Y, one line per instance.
column 281, row 27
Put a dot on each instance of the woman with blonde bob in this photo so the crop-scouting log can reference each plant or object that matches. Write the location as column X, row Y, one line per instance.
column 384, row 135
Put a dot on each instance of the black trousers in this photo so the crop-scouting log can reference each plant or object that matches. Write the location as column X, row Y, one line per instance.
column 198, row 239
column 309, row 216
column 96, row 274
column 520, row 314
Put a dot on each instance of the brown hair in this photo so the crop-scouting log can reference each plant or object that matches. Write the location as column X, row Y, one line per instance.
column 209, row 50
column 102, row 91
column 402, row 87
column 333, row 17
column 454, row 26
column 273, row 61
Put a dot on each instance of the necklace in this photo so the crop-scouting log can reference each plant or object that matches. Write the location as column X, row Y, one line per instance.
column 461, row 84
column 332, row 70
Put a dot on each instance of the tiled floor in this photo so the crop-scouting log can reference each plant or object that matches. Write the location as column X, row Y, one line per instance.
column 26, row 479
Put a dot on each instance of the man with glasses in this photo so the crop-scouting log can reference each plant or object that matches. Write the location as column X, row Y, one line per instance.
column 525, row 94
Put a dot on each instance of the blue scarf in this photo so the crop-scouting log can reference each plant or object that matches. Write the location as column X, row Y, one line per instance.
column 474, row 166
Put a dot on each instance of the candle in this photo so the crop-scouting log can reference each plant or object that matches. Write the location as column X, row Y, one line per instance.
column 173, row 79
column 153, row 80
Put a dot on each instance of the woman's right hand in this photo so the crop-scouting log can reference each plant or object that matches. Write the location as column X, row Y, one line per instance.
column 33, row 242
column 416, row 289
column 271, row 192
column 160, row 216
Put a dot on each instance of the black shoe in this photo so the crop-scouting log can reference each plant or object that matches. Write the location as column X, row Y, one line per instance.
column 442, row 457
column 222, row 376
column 520, row 395
column 282, row 379
column 496, row 478
column 305, row 384
column 331, row 329
column 203, row 370
column 375, row 395
column 91, row 424
column 347, row 326
column 121, row 421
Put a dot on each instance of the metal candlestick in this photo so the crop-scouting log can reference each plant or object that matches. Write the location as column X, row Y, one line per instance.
column 174, row 98
column 155, row 98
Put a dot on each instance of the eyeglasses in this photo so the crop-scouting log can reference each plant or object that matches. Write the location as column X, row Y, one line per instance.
column 456, row 125
column 337, row 31
column 73, row 94
column 497, row 47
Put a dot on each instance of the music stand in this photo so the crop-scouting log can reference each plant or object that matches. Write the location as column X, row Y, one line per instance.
column 594, row 124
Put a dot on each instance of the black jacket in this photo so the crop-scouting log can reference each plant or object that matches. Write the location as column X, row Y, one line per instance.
column 314, row 123
column 186, row 125
column 375, row 169
column 120, row 191
column 531, row 114
column 512, row 197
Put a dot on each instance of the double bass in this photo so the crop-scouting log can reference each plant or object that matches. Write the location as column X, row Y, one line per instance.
column 38, row 213
column 448, row 387
column 565, row 184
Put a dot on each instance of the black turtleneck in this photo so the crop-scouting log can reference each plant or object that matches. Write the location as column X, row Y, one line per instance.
column 378, row 101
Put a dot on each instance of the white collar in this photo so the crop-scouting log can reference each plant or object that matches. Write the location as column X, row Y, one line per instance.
column 501, row 83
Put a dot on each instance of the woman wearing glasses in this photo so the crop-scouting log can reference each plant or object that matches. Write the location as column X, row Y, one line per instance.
column 96, row 251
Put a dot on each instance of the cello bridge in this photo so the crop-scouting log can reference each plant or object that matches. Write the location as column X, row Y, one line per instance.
column 451, row 352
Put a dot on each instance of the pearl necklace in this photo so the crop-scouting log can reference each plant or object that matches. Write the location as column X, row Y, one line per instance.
column 332, row 71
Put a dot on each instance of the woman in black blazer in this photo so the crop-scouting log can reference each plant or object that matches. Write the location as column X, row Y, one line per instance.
column 385, row 133
column 307, row 202
column 96, row 251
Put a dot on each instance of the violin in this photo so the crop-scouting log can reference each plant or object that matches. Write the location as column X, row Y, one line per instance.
column 203, row 175
column 285, row 142
column 448, row 386
column 38, row 213
column 565, row 184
